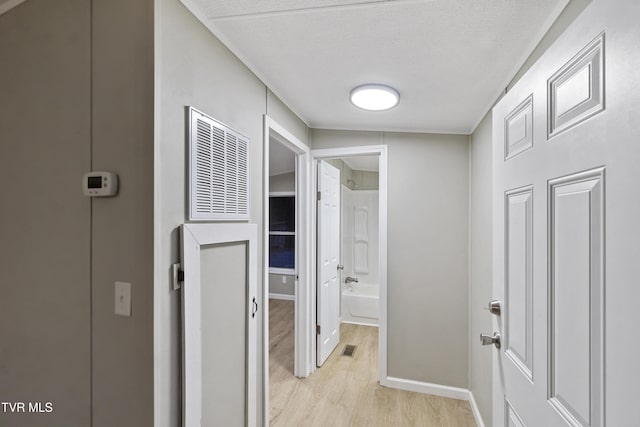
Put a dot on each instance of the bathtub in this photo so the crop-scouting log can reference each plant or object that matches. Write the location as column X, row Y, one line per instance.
column 360, row 303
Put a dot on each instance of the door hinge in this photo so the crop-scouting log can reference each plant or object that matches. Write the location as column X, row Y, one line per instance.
column 317, row 329
column 319, row 195
column 178, row 276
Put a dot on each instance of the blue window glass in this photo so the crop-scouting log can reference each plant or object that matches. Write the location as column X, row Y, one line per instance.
column 282, row 227
column 282, row 251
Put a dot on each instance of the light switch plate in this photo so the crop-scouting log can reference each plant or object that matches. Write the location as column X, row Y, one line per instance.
column 284, row 279
column 123, row 299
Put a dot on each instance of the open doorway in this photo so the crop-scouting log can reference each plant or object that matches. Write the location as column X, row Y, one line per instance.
column 370, row 166
column 282, row 282
column 348, row 233
column 345, row 374
column 287, row 238
column 305, row 289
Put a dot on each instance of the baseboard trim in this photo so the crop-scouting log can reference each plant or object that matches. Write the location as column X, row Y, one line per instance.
column 426, row 388
column 476, row 411
column 282, row 296
column 437, row 390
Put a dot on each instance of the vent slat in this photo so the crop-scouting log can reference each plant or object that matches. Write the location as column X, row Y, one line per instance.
column 219, row 184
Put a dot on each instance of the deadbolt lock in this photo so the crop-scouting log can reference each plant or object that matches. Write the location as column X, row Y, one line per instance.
column 494, row 307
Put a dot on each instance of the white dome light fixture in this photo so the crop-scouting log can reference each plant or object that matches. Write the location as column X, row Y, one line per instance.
column 374, row 97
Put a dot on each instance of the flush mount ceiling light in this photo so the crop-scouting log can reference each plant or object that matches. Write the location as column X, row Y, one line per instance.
column 374, row 97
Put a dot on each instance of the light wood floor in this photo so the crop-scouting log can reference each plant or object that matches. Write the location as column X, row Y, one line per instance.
column 345, row 391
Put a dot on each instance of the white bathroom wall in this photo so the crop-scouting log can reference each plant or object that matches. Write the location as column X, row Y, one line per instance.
column 360, row 236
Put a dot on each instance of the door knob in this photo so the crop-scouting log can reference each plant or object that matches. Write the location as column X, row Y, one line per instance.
column 340, row 267
column 488, row 339
column 494, row 307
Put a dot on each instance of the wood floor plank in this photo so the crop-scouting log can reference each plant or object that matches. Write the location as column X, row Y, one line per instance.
column 345, row 391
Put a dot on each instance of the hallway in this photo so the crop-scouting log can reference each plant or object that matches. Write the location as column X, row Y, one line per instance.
column 345, row 391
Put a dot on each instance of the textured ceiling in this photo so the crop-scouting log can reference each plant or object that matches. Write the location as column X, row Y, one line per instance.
column 449, row 59
column 237, row 8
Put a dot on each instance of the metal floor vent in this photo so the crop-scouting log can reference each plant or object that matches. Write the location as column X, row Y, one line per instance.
column 349, row 350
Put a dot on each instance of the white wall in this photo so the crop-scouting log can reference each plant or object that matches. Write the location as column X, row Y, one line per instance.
column 351, row 199
column 428, row 204
column 194, row 68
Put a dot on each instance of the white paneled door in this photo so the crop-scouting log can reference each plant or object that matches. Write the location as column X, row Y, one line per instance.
column 219, row 320
column 567, row 229
column 328, row 306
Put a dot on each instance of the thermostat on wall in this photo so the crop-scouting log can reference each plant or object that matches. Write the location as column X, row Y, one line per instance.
column 100, row 184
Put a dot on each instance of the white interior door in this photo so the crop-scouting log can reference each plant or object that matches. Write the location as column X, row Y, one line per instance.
column 328, row 310
column 565, row 170
column 219, row 324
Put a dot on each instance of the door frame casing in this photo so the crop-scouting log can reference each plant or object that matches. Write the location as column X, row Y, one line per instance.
column 309, row 325
column 273, row 129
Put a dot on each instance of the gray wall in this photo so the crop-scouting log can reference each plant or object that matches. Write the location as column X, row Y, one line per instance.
column 279, row 112
column 122, row 231
column 277, row 287
column 283, row 182
column 428, row 203
column 480, row 289
column 77, row 95
column 45, row 222
column 194, row 68
column 364, row 180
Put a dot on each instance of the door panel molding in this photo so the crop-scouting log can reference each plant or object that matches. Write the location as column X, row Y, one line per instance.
column 576, row 296
column 576, row 91
column 512, row 419
column 518, row 129
column 518, row 292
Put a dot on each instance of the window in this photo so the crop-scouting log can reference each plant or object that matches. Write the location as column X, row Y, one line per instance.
column 282, row 231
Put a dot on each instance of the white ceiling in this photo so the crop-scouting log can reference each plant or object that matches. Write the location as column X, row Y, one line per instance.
column 281, row 159
column 449, row 59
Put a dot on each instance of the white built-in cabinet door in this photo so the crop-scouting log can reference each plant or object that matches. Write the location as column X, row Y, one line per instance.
column 328, row 305
column 219, row 314
column 566, row 205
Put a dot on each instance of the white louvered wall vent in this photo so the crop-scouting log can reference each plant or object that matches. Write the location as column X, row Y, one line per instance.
column 219, row 170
